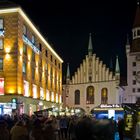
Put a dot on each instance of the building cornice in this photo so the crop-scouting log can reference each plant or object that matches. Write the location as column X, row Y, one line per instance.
column 25, row 17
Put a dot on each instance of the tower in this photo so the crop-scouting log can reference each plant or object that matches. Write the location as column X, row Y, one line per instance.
column 68, row 74
column 117, row 71
column 90, row 59
column 133, row 62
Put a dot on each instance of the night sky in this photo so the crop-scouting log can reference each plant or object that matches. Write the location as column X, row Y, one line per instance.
column 66, row 26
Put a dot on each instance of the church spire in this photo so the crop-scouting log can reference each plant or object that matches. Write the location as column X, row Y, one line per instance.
column 137, row 16
column 117, row 69
column 90, row 45
column 68, row 74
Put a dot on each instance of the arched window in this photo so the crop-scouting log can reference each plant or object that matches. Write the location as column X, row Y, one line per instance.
column 90, row 95
column 77, row 97
column 104, row 96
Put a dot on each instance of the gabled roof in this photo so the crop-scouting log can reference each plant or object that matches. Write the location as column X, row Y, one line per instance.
column 137, row 17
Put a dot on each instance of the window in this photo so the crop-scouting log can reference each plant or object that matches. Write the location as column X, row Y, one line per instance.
column 24, row 68
column 134, row 73
column 59, row 65
column 40, row 47
column 138, row 32
column 138, row 89
column 90, row 79
column 90, row 95
column 24, row 49
column 134, row 64
column 133, row 90
column 104, row 96
column 24, row 30
column 1, row 44
column 46, row 53
column 134, row 82
column 1, row 24
column 77, row 97
column 33, row 73
column 51, row 58
column 1, row 63
column 33, row 56
column 55, row 62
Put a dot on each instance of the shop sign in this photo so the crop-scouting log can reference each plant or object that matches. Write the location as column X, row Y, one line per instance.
column 28, row 42
column 1, row 86
column 109, row 106
column 14, row 103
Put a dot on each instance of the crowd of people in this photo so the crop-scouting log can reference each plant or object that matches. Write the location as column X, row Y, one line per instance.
column 64, row 127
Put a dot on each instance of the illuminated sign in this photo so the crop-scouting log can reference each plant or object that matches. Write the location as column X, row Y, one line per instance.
column 1, row 32
column 109, row 106
column 28, row 42
column 14, row 103
column 1, row 86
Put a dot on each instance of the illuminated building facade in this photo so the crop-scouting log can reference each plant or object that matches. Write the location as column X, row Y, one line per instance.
column 30, row 70
column 92, row 84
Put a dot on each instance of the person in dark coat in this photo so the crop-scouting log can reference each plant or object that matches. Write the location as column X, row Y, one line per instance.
column 121, row 127
column 4, row 133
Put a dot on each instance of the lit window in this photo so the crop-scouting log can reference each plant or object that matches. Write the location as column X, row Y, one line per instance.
column 41, row 94
column 90, row 95
column 34, row 91
column 1, row 24
column 52, row 97
column 56, row 97
column 1, row 44
column 47, row 95
column 1, row 63
column 104, row 96
column 24, row 67
column 26, row 88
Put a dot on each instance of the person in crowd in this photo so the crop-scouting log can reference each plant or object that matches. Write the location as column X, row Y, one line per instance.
column 63, row 126
column 19, row 131
column 71, row 128
column 121, row 127
column 4, row 133
column 88, row 129
column 48, row 130
column 36, row 131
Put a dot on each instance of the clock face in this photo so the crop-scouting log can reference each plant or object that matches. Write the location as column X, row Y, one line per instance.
column 138, row 77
